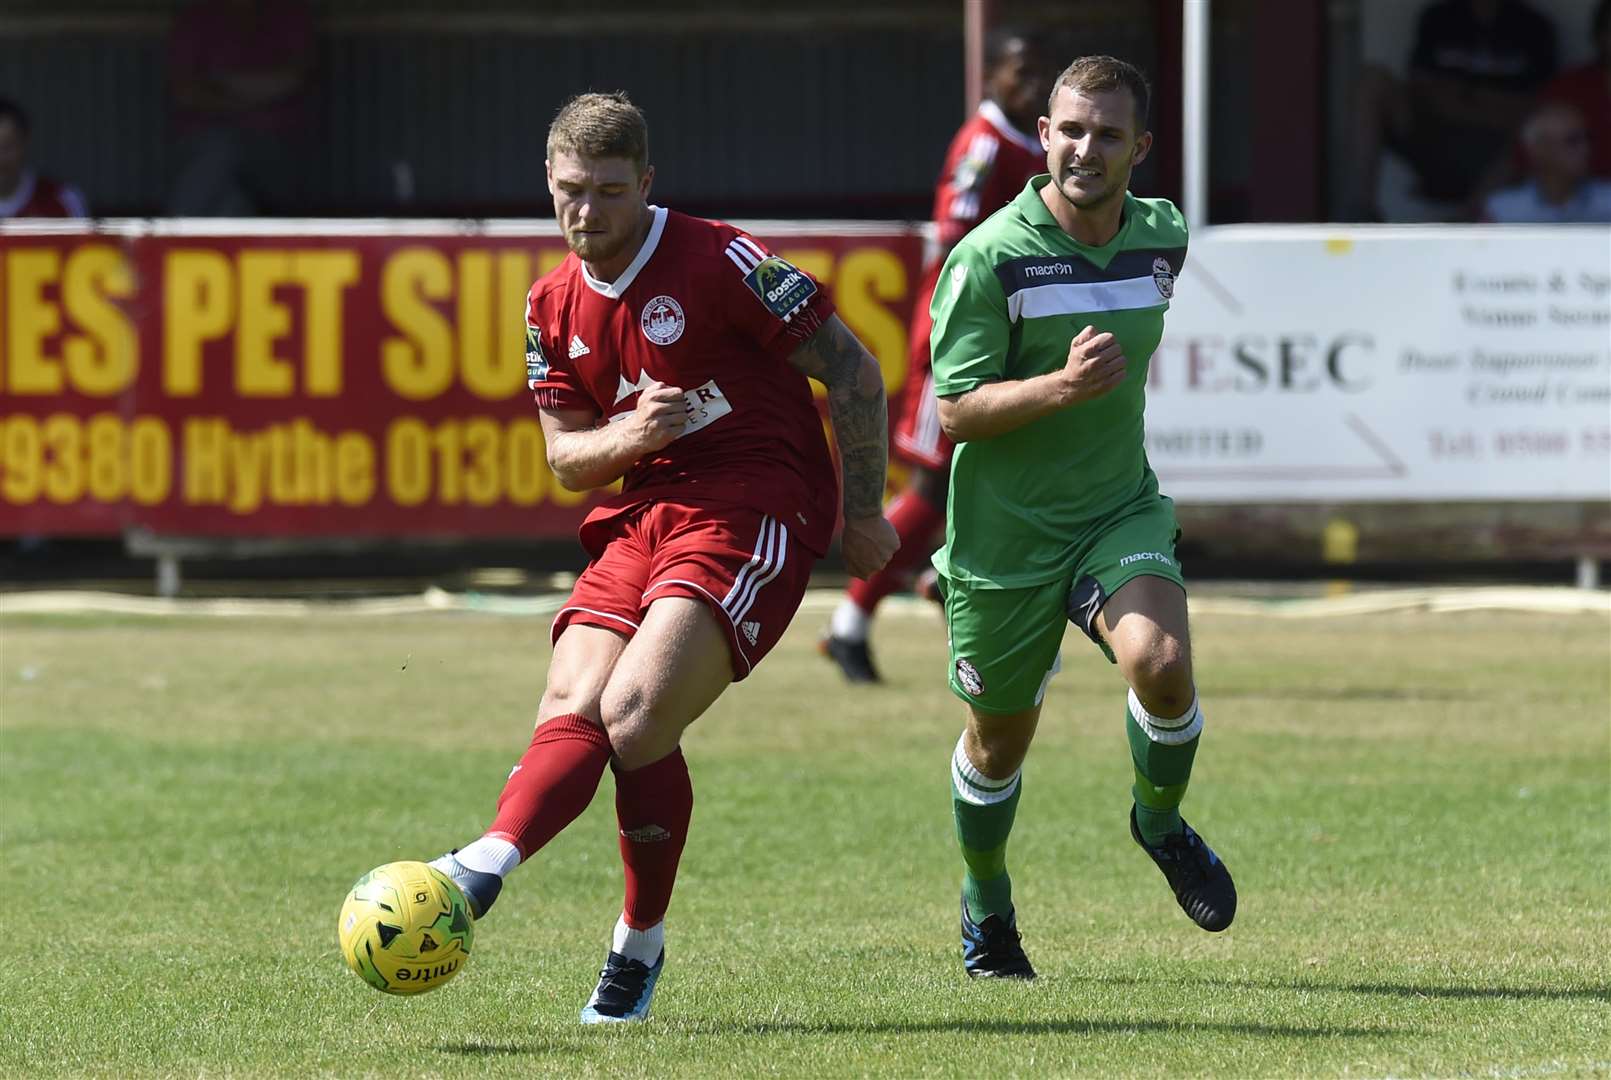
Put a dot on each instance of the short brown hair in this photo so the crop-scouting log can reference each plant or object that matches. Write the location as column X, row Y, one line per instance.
column 600, row 126
column 1096, row 74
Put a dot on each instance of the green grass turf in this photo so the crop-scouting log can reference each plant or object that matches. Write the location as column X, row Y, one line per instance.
column 1417, row 809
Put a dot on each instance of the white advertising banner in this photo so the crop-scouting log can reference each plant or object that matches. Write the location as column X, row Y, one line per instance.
column 1383, row 364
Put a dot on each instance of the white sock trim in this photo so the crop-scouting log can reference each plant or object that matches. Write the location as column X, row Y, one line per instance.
column 973, row 786
column 641, row 945
column 489, row 855
column 849, row 621
column 1162, row 729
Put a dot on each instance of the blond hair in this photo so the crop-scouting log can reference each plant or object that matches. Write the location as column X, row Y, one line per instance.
column 600, row 126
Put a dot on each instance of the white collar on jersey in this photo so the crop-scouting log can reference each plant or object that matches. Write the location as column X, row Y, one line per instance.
column 19, row 198
column 998, row 120
column 617, row 288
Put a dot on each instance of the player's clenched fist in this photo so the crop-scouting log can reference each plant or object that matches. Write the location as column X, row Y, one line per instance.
column 660, row 416
column 867, row 543
column 1095, row 366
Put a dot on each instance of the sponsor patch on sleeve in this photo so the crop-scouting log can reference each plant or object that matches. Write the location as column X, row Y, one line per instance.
column 781, row 287
column 536, row 362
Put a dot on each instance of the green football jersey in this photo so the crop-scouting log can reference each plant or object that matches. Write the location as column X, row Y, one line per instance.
column 1010, row 298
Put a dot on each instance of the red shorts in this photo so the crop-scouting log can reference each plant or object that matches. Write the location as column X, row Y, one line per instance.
column 742, row 563
column 918, row 438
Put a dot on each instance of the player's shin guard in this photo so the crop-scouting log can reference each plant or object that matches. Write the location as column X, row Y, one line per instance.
column 984, row 810
column 916, row 521
column 653, row 806
column 1162, row 750
column 552, row 784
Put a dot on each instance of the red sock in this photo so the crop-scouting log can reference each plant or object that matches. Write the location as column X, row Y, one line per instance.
column 553, row 783
column 916, row 520
column 653, row 806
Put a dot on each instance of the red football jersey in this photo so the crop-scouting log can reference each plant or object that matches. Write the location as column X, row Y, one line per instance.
column 708, row 309
column 40, row 196
column 988, row 163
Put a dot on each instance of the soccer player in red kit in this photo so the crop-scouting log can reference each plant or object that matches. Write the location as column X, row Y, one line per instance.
column 990, row 160
column 672, row 353
column 23, row 192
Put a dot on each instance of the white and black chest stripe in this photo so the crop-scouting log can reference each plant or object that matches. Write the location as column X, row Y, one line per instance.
column 1037, row 286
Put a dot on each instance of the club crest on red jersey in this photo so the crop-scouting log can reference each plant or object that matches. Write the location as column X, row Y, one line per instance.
column 663, row 321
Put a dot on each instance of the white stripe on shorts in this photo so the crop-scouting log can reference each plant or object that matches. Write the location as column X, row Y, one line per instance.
column 770, row 551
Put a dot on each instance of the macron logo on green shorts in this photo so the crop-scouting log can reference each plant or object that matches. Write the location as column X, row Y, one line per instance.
column 1155, row 556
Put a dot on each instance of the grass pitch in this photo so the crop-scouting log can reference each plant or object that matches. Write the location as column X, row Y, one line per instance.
column 1417, row 809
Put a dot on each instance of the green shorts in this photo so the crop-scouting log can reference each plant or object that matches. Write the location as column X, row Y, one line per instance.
column 1004, row 642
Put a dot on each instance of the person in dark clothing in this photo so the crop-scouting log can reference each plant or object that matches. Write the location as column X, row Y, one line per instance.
column 1475, row 70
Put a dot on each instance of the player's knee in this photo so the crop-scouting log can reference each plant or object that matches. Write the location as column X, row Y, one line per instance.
column 1002, row 757
column 624, row 707
column 1160, row 674
column 568, row 692
column 1001, row 744
column 628, row 714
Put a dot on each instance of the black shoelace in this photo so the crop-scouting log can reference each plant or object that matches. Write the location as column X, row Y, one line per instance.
column 620, row 987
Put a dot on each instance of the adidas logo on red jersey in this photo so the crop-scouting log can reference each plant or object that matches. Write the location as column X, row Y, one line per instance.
column 578, row 347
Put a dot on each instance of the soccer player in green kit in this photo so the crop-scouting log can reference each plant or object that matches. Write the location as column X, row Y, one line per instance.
column 1045, row 319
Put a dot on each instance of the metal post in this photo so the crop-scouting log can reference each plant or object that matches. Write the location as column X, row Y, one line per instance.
column 168, row 579
column 976, row 16
column 1194, row 53
column 1588, row 572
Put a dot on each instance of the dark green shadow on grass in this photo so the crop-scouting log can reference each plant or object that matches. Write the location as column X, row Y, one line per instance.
column 1540, row 993
column 1407, row 990
column 963, row 1026
column 1347, row 693
column 470, row 1048
column 704, row 1026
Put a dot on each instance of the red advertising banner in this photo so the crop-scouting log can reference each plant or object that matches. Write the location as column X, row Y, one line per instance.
column 357, row 379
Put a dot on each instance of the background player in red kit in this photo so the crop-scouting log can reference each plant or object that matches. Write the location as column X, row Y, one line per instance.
column 23, row 192
column 671, row 352
column 990, row 160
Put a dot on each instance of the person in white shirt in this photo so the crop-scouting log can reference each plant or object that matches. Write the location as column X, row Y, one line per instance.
column 1559, row 189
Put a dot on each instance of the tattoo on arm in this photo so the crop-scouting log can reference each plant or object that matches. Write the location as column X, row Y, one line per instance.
column 857, row 408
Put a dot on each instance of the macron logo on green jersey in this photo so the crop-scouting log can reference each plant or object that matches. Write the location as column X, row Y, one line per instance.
column 1040, row 286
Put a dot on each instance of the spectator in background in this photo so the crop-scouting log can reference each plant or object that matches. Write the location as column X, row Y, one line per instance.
column 1474, row 72
column 23, row 192
column 239, row 73
column 1559, row 188
column 1588, row 89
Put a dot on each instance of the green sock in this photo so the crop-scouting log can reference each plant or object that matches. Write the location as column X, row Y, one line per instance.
column 1161, row 750
column 984, row 809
